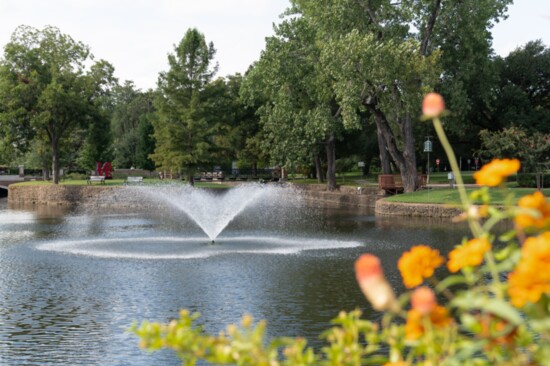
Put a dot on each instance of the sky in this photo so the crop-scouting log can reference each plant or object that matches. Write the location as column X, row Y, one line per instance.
column 137, row 35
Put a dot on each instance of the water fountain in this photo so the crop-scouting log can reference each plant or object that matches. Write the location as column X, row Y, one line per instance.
column 213, row 212
column 258, row 216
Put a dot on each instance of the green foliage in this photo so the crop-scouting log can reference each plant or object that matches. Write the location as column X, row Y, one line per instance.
column 46, row 90
column 530, row 180
column 524, row 86
column 531, row 148
column 132, row 128
column 185, row 130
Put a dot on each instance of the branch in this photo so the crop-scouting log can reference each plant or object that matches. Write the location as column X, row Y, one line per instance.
column 429, row 28
column 372, row 16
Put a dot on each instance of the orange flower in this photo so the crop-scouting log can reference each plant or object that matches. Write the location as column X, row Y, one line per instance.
column 468, row 255
column 419, row 263
column 374, row 286
column 433, row 105
column 423, row 300
column 414, row 328
column 397, row 363
column 531, row 278
column 494, row 173
column 538, row 202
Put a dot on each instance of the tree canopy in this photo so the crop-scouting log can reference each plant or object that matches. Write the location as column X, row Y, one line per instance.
column 46, row 89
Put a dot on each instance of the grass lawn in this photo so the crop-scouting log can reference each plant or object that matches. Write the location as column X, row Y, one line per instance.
column 451, row 196
column 357, row 179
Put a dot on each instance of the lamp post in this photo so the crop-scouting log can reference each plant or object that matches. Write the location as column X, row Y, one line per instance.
column 428, row 149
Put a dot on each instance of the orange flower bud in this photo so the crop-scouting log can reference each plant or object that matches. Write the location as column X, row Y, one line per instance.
column 433, row 105
column 374, row 286
column 368, row 266
column 423, row 300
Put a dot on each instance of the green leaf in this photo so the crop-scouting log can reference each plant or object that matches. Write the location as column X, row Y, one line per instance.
column 450, row 281
column 507, row 236
column 496, row 307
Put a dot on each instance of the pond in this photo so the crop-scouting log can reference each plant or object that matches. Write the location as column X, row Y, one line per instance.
column 73, row 281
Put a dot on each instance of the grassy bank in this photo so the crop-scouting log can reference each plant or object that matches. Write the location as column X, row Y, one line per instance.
column 450, row 196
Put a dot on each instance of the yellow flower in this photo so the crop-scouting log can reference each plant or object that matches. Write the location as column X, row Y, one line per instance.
column 494, row 173
column 419, row 263
column 397, row 363
column 433, row 105
column 469, row 254
column 414, row 328
column 537, row 201
column 531, row 277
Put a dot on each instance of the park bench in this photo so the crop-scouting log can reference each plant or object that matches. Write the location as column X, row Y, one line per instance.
column 96, row 178
column 137, row 180
column 393, row 184
column 390, row 183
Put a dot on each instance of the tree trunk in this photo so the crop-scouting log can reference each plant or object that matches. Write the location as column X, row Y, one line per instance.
column 409, row 172
column 330, row 148
column 406, row 160
column 366, row 168
column 55, row 159
column 384, row 155
column 318, row 168
column 191, row 179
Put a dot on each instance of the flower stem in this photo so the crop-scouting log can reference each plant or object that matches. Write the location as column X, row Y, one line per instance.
column 475, row 226
column 466, row 204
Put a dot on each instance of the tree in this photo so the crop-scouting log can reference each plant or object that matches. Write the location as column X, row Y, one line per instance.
column 523, row 95
column 298, row 113
column 131, row 127
column 379, row 63
column 45, row 88
column 183, row 133
column 97, row 143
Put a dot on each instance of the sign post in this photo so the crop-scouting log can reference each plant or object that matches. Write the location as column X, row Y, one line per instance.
column 428, row 149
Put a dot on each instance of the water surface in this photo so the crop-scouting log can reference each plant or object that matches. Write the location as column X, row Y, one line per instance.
column 72, row 282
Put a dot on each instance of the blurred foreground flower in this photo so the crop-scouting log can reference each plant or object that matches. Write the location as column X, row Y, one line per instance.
column 423, row 300
column 468, row 255
column 418, row 264
column 432, row 105
column 494, row 173
column 531, row 277
column 416, row 325
column 373, row 284
column 539, row 218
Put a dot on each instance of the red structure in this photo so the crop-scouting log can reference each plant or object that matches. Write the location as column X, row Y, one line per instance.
column 105, row 170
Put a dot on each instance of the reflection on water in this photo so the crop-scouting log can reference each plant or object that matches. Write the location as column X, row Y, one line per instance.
column 64, row 301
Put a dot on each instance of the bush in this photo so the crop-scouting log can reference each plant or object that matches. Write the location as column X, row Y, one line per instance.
column 528, row 180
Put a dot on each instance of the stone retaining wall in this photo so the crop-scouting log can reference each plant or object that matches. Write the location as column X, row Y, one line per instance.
column 344, row 196
column 385, row 208
column 65, row 195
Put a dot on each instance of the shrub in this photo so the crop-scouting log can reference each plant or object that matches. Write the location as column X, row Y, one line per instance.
column 528, row 180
